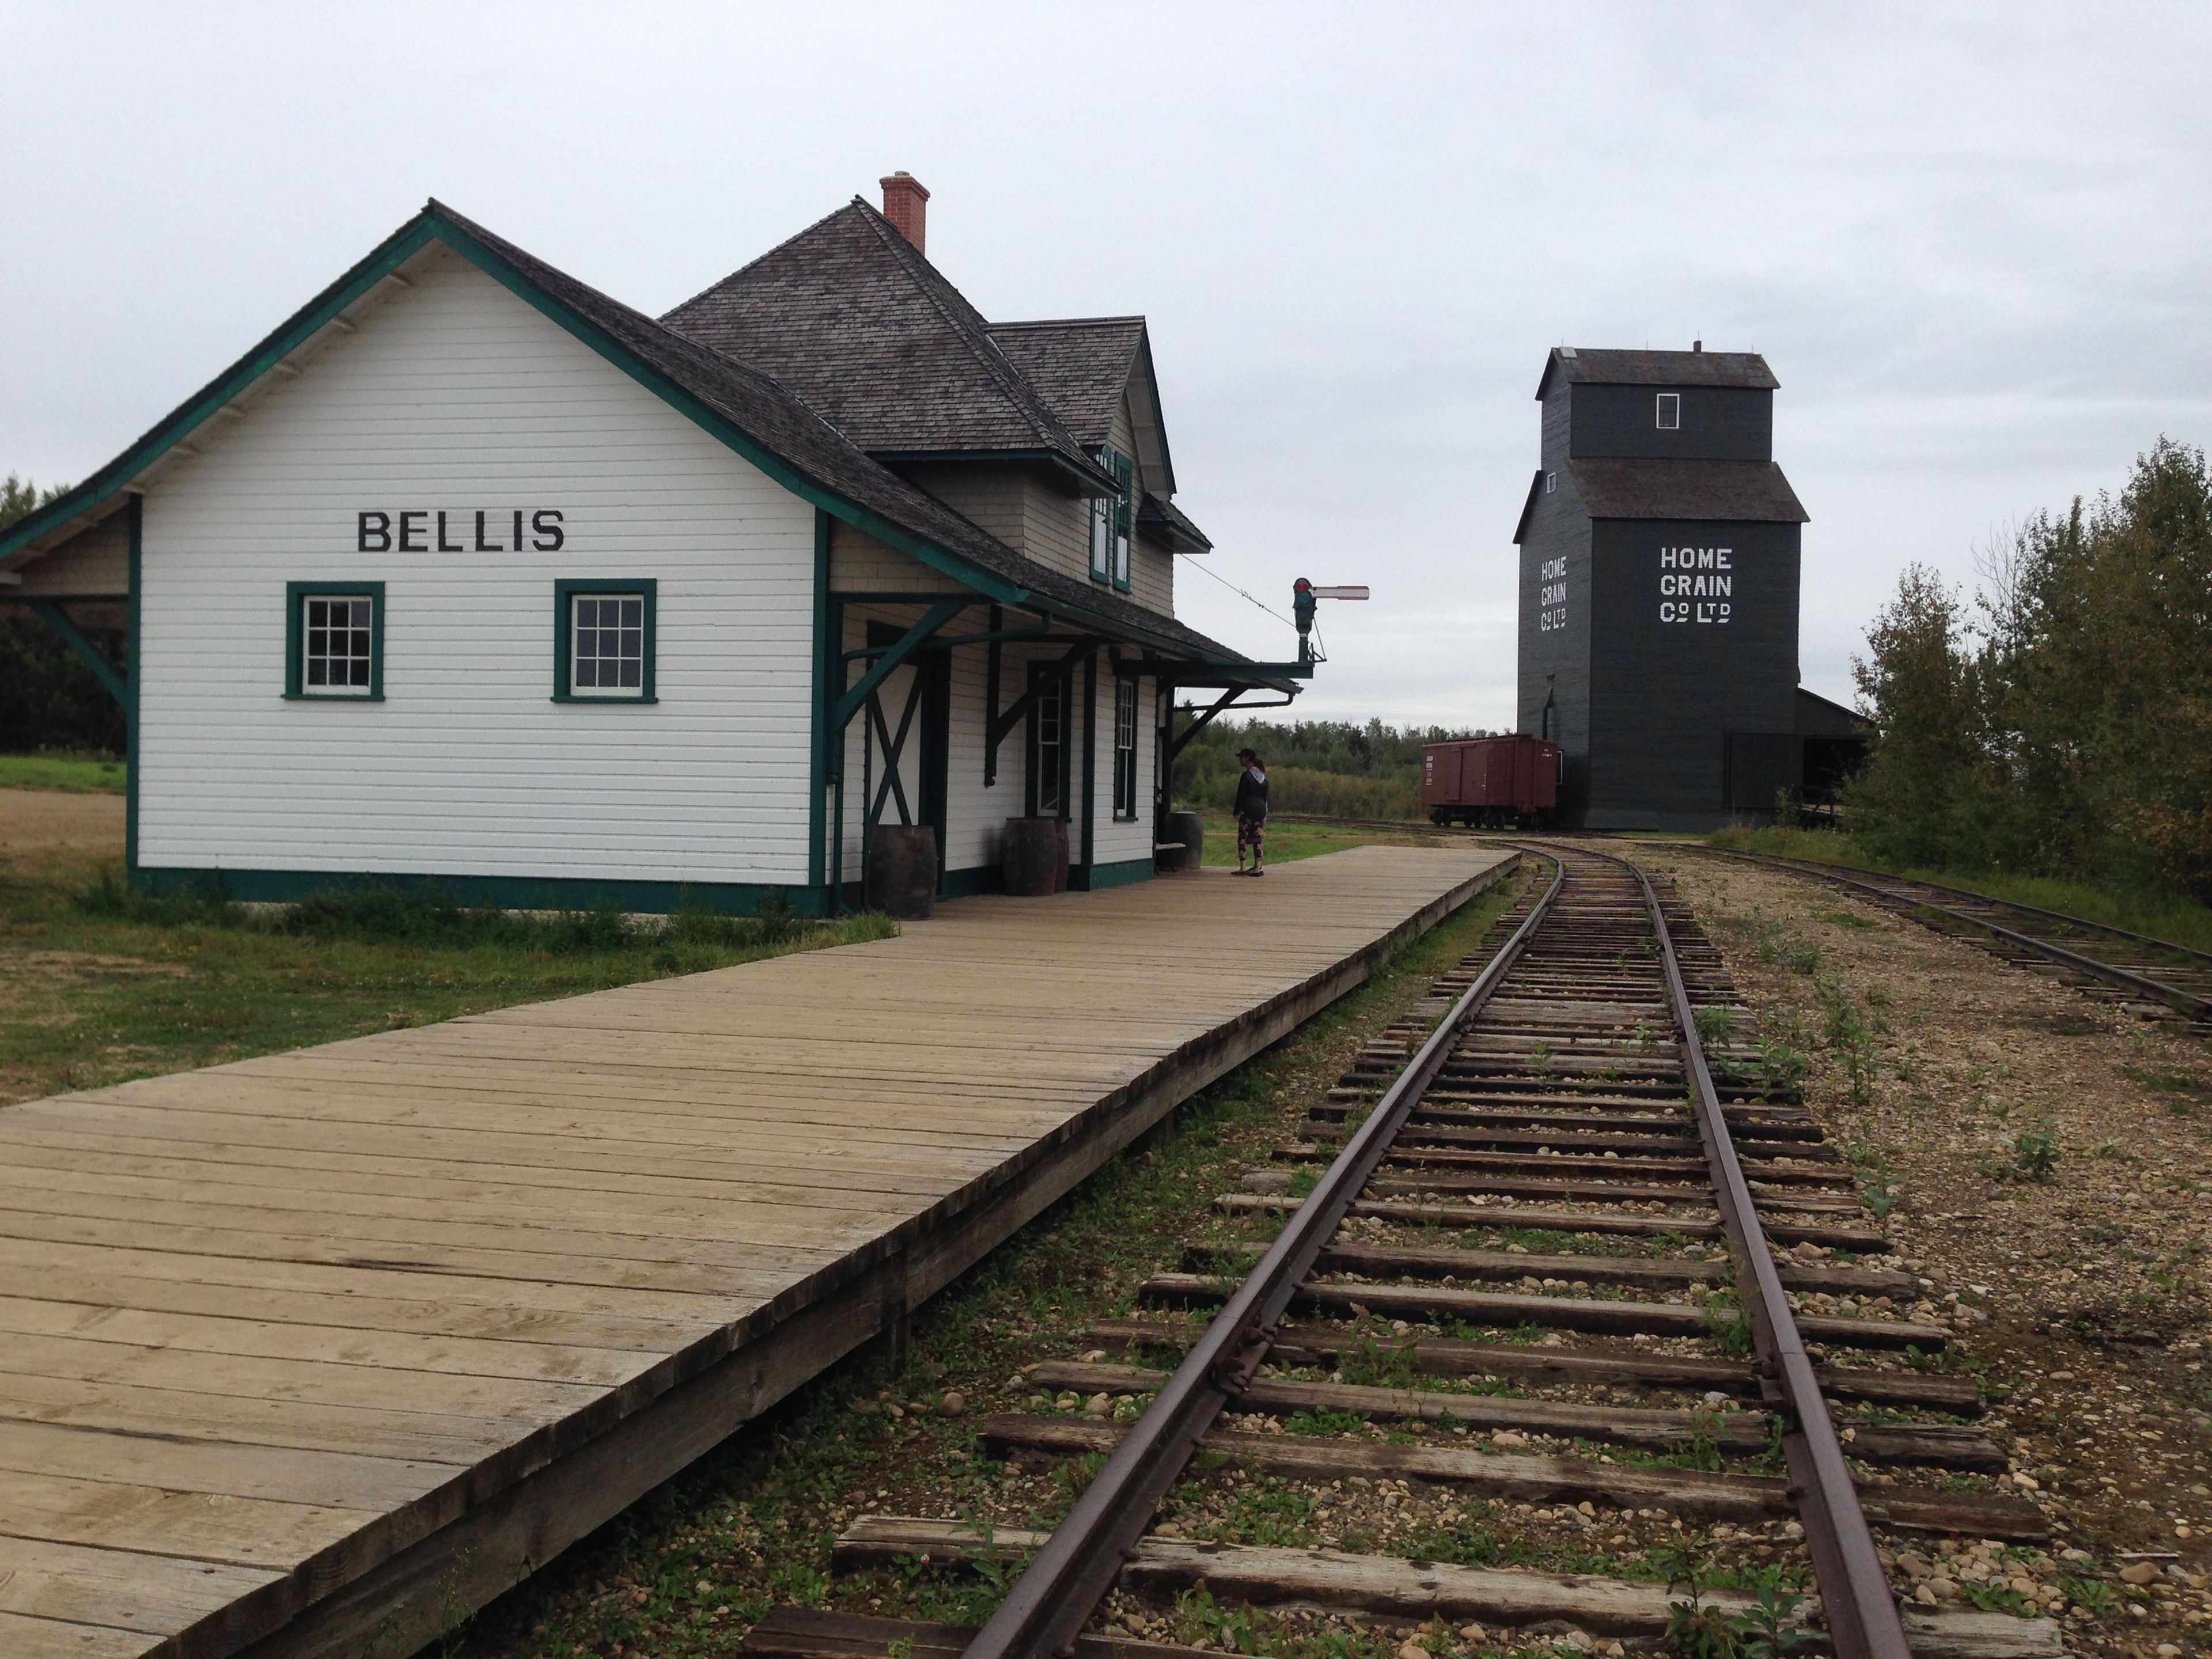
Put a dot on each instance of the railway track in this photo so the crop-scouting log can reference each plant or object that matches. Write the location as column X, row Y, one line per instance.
column 1553, row 1256
column 2110, row 964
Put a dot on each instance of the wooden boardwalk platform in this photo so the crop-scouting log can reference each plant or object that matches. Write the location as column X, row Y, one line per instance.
column 315, row 1354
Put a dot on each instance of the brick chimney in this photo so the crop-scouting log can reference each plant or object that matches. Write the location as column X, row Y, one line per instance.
column 906, row 205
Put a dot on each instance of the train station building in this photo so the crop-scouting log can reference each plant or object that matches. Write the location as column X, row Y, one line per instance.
column 471, row 574
column 1660, row 556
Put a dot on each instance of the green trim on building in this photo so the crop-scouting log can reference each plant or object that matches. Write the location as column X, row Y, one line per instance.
column 1090, row 759
column 817, row 761
column 135, row 524
column 50, row 612
column 1094, row 877
column 966, row 884
column 383, row 261
column 296, row 689
column 511, row 892
column 293, row 333
column 564, row 631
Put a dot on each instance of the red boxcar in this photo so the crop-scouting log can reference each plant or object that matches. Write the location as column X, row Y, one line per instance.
column 1491, row 781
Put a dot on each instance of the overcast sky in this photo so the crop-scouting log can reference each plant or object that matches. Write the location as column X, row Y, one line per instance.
column 1975, row 243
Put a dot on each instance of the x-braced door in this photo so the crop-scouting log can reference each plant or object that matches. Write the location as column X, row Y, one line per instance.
column 905, row 723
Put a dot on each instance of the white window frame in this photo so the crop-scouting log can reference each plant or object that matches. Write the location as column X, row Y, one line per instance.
column 568, row 596
column 1102, row 538
column 1125, row 749
column 1670, row 411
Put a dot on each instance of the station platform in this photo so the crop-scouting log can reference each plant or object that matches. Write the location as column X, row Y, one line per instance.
column 316, row 1354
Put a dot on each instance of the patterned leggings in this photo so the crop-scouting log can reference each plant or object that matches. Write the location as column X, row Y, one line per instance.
column 1252, row 833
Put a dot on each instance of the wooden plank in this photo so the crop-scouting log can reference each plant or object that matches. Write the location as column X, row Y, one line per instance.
column 1416, row 1590
column 55, row 1638
column 119, row 1589
column 1325, row 1345
column 380, row 1351
column 398, row 1318
column 238, row 1468
column 373, row 1297
column 1627, row 1425
column 216, row 1526
column 1527, row 1477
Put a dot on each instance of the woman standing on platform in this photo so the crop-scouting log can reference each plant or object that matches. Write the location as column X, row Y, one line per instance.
column 1251, row 812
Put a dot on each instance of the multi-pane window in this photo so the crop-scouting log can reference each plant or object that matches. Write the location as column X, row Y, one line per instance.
column 1102, row 538
column 1125, row 749
column 607, row 645
column 1670, row 411
column 1050, row 770
column 1110, row 519
column 603, row 646
column 334, row 640
column 1125, row 474
column 337, row 644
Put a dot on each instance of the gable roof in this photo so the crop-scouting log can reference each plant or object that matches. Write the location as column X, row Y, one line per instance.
column 1160, row 517
column 849, row 315
column 1663, row 488
column 1822, row 717
column 1578, row 366
column 1083, row 367
column 753, row 413
column 1080, row 366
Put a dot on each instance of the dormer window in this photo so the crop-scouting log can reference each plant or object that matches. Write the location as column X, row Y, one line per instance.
column 1110, row 522
column 1670, row 411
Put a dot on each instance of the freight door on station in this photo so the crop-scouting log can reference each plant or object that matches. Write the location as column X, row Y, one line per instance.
column 906, row 728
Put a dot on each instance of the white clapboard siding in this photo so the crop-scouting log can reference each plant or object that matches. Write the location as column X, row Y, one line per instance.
column 1119, row 840
column 457, row 395
column 975, row 816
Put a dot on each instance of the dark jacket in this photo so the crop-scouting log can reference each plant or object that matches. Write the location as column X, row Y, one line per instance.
column 1251, row 795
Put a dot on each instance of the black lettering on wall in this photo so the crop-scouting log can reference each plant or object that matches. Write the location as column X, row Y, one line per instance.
column 483, row 546
column 444, row 546
column 412, row 525
column 518, row 530
column 546, row 521
column 374, row 532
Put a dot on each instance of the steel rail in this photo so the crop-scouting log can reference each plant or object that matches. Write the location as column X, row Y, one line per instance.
column 1065, row 1581
column 2181, row 1002
column 1863, row 1618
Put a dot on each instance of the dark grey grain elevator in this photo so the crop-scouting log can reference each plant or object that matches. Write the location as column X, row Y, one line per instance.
column 1659, row 573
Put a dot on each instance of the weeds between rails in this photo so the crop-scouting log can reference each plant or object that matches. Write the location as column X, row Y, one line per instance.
column 1513, row 1406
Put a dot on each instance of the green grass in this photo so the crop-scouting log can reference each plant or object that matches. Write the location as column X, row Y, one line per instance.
column 78, row 774
column 2161, row 916
column 99, row 984
column 1288, row 843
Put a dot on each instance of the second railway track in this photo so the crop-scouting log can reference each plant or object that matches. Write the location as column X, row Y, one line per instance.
column 1566, row 1254
column 2152, row 974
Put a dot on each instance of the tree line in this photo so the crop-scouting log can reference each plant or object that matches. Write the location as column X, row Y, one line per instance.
column 48, row 698
column 1328, row 768
column 2061, row 723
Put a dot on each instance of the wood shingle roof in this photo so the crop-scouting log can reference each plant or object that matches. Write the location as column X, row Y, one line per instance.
column 1080, row 366
column 1663, row 488
column 1580, row 366
column 850, row 316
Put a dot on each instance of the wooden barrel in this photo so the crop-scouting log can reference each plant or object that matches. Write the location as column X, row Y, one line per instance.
column 1189, row 829
column 1033, row 859
column 902, row 872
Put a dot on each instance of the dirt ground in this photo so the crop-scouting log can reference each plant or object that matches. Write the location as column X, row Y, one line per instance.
column 2046, row 1160
column 42, row 820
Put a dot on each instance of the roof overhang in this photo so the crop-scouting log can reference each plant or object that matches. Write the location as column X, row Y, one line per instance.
column 1078, row 480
